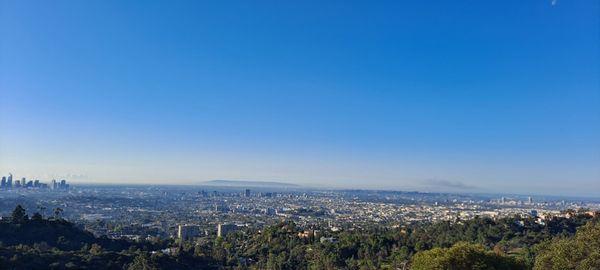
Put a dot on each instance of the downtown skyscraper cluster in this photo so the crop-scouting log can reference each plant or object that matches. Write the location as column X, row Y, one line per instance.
column 8, row 183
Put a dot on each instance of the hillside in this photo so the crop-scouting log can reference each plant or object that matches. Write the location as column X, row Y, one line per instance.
column 38, row 243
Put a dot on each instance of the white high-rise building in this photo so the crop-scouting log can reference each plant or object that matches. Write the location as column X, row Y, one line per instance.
column 186, row 232
column 224, row 229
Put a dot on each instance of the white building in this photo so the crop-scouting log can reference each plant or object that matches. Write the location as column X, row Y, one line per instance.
column 186, row 232
column 224, row 229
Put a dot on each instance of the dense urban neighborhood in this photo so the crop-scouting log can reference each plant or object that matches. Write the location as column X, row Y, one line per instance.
column 167, row 220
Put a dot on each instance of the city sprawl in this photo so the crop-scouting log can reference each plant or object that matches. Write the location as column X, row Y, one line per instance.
column 207, row 211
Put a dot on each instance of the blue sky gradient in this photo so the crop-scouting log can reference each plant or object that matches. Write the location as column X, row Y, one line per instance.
column 478, row 96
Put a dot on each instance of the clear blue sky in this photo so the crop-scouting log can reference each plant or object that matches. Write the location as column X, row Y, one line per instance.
column 445, row 95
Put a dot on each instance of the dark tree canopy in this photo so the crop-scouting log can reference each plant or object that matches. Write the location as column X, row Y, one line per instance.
column 463, row 256
column 577, row 253
column 19, row 215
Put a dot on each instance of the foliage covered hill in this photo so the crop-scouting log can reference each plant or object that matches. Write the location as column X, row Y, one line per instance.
column 38, row 243
column 581, row 252
column 59, row 233
column 55, row 233
column 386, row 248
column 464, row 256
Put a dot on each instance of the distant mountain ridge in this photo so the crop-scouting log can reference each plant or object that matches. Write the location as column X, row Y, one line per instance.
column 243, row 183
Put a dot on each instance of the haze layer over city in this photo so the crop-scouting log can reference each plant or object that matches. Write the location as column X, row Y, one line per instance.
column 299, row 135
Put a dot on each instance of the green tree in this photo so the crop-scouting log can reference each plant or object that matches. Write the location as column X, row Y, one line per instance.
column 142, row 262
column 579, row 252
column 463, row 256
column 19, row 214
column 95, row 249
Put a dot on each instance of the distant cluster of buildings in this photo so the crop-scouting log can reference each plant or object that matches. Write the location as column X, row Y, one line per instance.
column 246, row 193
column 8, row 183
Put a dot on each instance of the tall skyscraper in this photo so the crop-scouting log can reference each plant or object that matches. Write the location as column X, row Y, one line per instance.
column 247, row 193
column 63, row 184
column 529, row 200
column 9, row 181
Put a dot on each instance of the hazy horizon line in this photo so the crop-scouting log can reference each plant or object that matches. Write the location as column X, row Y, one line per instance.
column 338, row 187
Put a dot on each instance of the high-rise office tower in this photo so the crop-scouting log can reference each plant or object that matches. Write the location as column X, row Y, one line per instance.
column 247, row 193
column 3, row 183
column 9, row 181
column 529, row 200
